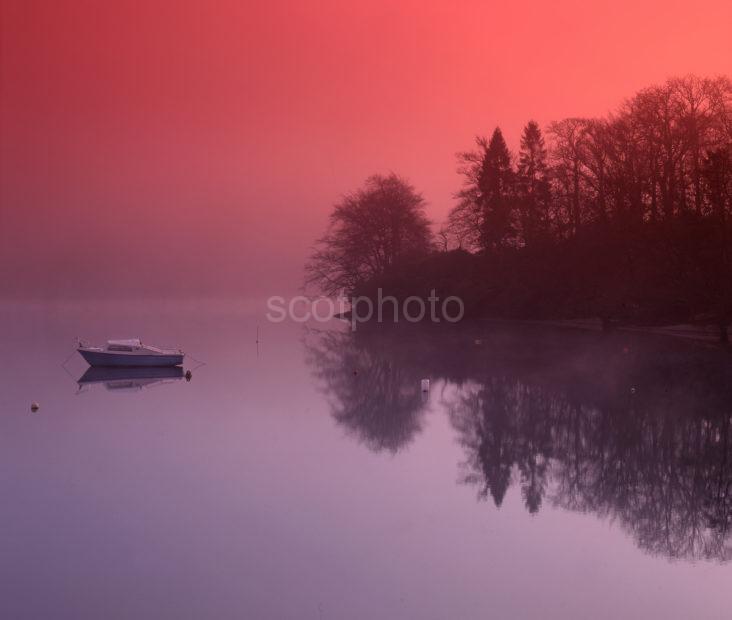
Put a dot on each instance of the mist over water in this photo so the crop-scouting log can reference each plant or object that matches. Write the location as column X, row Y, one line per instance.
column 545, row 473
column 167, row 167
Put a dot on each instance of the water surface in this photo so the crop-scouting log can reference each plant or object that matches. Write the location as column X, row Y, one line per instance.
column 552, row 474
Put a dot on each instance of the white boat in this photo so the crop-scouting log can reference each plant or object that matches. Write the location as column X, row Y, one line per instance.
column 130, row 353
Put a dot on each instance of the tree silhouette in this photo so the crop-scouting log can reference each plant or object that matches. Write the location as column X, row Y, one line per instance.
column 485, row 213
column 532, row 182
column 624, row 218
column 372, row 231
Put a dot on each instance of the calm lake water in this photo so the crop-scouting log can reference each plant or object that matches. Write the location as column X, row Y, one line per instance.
column 546, row 474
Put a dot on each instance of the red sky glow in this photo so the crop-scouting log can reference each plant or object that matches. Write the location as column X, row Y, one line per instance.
column 190, row 148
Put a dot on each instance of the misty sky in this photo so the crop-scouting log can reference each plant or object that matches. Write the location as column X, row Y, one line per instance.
column 189, row 148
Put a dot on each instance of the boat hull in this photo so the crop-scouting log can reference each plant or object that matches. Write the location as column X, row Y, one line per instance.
column 114, row 359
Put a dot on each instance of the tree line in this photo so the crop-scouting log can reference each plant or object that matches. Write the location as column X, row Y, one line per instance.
column 624, row 217
column 664, row 154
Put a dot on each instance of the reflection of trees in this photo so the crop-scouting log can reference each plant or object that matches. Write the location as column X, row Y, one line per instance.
column 371, row 392
column 654, row 458
column 486, row 421
column 630, row 429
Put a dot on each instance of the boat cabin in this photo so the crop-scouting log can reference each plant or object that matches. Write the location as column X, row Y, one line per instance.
column 124, row 345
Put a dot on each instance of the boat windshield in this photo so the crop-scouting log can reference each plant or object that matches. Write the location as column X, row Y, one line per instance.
column 127, row 345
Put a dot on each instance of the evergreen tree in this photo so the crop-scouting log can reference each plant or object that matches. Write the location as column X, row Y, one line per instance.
column 496, row 185
column 532, row 184
column 484, row 216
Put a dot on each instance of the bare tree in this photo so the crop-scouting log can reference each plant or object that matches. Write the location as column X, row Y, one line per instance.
column 372, row 231
column 568, row 137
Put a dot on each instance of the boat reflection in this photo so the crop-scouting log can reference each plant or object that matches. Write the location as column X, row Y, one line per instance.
column 630, row 428
column 129, row 379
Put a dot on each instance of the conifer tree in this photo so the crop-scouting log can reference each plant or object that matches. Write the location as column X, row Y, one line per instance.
column 496, row 185
column 532, row 184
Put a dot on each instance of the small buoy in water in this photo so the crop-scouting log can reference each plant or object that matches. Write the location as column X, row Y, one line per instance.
column 632, row 390
column 425, row 385
column 478, row 341
column 35, row 406
column 189, row 374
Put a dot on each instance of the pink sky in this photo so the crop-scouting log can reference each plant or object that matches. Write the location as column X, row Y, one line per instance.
column 196, row 147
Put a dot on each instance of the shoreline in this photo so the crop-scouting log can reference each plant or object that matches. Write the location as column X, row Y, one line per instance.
column 707, row 333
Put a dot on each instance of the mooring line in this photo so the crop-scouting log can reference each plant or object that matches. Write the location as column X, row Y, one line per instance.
column 199, row 362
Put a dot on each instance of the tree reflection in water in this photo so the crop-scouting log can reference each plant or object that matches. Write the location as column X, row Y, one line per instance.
column 375, row 396
column 631, row 428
